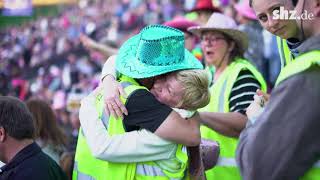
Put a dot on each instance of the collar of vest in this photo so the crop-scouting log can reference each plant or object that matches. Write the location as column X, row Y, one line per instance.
column 300, row 64
column 125, row 78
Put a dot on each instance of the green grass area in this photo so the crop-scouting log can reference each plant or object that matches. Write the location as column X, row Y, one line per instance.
column 8, row 21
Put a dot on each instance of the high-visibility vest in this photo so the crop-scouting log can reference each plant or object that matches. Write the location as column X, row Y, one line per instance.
column 89, row 167
column 285, row 54
column 210, row 71
column 226, row 167
column 300, row 64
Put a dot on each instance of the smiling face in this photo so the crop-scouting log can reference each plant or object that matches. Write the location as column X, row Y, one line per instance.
column 167, row 90
column 283, row 28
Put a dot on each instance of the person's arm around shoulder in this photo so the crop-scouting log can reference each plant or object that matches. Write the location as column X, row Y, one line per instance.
column 112, row 89
column 146, row 112
column 179, row 130
column 134, row 146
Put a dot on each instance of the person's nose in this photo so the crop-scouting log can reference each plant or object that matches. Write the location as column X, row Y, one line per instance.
column 273, row 23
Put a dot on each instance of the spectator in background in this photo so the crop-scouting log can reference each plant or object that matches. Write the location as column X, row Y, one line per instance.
column 248, row 23
column 190, row 40
column 73, row 106
column 91, row 44
column 48, row 134
column 70, row 72
column 23, row 157
column 18, row 83
column 204, row 9
column 66, row 163
column 62, row 115
column 235, row 81
column 4, row 84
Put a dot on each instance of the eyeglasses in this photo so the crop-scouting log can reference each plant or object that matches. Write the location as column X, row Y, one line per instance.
column 211, row 39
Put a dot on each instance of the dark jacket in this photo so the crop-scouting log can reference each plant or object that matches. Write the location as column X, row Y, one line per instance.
column 32, row 164
column 284, row 142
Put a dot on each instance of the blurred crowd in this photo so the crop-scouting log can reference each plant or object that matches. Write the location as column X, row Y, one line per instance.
column 45, row 59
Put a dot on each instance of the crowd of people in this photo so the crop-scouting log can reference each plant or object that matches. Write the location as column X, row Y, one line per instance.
column 104, row 90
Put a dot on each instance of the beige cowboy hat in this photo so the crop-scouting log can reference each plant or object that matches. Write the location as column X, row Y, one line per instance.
column 226, row 25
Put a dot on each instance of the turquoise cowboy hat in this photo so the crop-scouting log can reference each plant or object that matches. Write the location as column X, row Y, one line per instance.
column 156, row 50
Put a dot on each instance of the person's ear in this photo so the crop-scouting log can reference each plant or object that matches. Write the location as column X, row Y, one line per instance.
column 231, row 46
column 2, row 134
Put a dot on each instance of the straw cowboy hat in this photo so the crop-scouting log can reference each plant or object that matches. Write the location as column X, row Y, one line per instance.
column 226, row 25
column 156, row 50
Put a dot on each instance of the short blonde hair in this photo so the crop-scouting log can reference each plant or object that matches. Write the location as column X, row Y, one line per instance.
column 195, row 85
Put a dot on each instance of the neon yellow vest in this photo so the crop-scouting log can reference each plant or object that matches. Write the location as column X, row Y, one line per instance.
column 300, row 64
column 150, row 170
column 285, row 54
column 226, row 168
column 86, row 166
column 89, row 167
column 210, row 71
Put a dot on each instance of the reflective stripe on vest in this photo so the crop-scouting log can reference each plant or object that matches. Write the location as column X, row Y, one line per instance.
column 229, row 162
column 148, row 170
column 153, row 171
column 221, row 96
column 285, row 54
column 89, row 167
column 105, row 119
column 79, row 175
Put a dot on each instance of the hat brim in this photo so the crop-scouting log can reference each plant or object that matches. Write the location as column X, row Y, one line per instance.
column 128, row 64
column 213, row 9
column 238, row 36
column 182, row 25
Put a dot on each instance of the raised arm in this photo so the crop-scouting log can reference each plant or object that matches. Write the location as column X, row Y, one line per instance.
column 93, row 45
column 137, row 146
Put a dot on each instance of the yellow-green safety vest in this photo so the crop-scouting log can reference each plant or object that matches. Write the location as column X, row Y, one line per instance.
column 226, row 167
column 300, row 64
column 87, row 167
column 210, row 71
column 285, row 54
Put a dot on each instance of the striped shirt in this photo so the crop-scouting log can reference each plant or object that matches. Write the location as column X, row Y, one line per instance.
column 242, row 92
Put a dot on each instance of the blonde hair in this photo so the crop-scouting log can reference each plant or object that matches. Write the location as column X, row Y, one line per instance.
column 195, row 85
